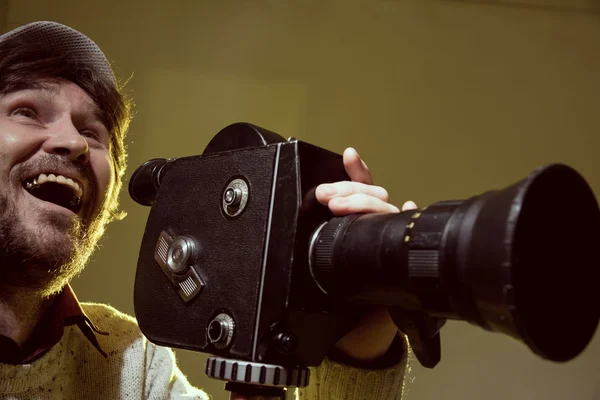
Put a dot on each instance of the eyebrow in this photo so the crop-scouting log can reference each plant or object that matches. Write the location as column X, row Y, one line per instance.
column 32, row 86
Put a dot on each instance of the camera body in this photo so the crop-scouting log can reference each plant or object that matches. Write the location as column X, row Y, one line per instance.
column 223, row 265
column 240, row 261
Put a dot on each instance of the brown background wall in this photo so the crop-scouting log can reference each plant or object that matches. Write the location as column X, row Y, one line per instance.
column 444, row 99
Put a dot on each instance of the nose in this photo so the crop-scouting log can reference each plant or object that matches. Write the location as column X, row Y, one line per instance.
column 66, row 141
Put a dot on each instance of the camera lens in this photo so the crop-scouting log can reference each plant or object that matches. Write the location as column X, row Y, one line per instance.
column 522, row 261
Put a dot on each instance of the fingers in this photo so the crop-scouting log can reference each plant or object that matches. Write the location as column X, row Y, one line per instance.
column 359, row 195
column 359, row 203
column 372, row 337
column 409, row 205
column 356, row 168
column 328, row 191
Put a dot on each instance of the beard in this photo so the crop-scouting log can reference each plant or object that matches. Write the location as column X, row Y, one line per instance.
column 44, row 258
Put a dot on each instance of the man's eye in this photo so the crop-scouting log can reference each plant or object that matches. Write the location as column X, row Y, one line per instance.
column 89, row 134
column 25, row 112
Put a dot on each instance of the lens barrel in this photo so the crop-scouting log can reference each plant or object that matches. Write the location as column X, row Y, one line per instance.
column 521, row 261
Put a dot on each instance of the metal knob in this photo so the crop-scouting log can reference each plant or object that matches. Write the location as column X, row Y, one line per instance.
column 232, row 196
column 180, row 254
column 220, row 330
column 235, row 197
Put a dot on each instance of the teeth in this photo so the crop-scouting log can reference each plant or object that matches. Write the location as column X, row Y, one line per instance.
column 43, row 178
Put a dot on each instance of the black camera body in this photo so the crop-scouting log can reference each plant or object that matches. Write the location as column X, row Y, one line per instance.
column 240, row 261
column 235, row 282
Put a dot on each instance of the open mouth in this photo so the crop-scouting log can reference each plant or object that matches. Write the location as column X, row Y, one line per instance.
column 56, row 189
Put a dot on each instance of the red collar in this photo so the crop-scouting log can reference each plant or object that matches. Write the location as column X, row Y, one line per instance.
column 64, row 311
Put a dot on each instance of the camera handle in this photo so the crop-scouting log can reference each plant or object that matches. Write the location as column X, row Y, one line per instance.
column 248, row 380
column 423, row 334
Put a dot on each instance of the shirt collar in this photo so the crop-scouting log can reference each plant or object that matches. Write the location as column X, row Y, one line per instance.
column 64, row 311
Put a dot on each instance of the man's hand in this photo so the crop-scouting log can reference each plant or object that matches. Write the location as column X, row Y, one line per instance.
column 374, row 335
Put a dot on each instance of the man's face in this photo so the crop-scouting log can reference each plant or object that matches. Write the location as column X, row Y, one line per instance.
column 55, row 170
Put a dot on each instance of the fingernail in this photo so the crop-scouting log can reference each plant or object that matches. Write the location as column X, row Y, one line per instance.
column 351, row 150
column 409, row 205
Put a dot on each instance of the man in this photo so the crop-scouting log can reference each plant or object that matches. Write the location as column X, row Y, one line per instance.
column 62, row 159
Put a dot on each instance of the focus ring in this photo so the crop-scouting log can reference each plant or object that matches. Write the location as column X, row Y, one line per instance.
column 425, row 235
column 321, row 257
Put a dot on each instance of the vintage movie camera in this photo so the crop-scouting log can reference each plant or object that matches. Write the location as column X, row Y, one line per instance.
column 239, row 260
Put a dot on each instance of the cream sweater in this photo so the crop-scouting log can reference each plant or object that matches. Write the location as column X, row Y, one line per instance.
column 138, row 369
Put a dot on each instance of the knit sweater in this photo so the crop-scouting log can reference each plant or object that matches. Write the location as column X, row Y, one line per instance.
column 137, row 369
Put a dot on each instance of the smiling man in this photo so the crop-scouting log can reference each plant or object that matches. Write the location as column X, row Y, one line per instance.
column 62, row 159
column 56, row 170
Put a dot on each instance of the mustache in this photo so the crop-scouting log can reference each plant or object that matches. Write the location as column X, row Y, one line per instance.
column 48, row 162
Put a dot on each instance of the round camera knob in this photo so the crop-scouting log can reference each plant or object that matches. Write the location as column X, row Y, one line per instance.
column 235, row 197
column 181, row 254
column 232, row 196
column 220, row 330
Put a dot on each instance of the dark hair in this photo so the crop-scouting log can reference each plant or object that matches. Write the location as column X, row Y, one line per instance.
column 23, row 63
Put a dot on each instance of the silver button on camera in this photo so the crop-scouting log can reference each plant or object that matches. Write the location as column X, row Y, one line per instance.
column 175, row 258
column 235, row 197
column 180, row 254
